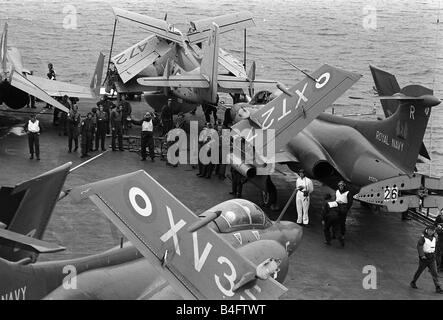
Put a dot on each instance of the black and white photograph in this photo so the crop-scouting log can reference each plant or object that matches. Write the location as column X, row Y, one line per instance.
column 221, row 150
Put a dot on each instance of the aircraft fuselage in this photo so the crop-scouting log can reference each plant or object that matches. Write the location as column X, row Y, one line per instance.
column 331, row 151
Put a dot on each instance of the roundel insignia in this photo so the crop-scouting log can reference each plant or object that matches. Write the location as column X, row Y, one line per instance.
column 322, row 80
column 140, row 200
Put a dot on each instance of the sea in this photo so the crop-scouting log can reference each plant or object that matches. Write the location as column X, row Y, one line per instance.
column 404, row 38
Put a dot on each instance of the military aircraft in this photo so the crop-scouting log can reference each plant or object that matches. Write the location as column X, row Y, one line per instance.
column 17, row 83
column 238, row 237
column 333, row 148
column 26, row 210
column 169, row 50
column 201, row 85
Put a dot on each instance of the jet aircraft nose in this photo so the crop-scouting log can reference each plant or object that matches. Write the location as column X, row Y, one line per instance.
column 293, row 234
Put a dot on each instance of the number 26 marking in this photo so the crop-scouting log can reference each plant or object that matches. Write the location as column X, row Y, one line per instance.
column 391, row 194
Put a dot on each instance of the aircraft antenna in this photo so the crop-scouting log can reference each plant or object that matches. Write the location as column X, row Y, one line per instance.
column 433, row 86
column 244, row 49
column 305, row 73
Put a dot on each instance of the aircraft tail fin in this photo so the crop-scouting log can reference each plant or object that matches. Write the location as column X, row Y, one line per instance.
column 4, row 47
column 27, row 208
column 296, row 107
column 400, row 136
column 97, row 76
column 193, row 258
column 209, row 65
column 387, row 85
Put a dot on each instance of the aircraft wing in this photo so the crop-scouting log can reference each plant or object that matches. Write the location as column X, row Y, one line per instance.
column 22, row 83
column 30, row 244
column 156, row 26
column 230, row 82
column 133, row 60
column 231, row 64
column 188, row 80
column 59, row 89
column 132, row 86
column 296, row 107
column 198, row 264
column 200, row 29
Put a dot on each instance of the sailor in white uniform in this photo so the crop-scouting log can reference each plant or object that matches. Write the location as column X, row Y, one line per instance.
column 302, row 199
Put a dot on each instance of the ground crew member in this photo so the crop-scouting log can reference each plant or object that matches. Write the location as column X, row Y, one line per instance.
column 147, row 136
column 107, row 107
column 237, row 182
column 426, row 254
column 51, row 76
column 32, row 128
column 166, row 117
column 94, row 121
column 330, row 219
column 343, row 198
column 205, row 139
column 202, row 139
column 112, row 77
column 117, row 128
column 438, row 224
column 126, row 111
column 51, row 72
column 100, row 130
column 63, row 117
column 302, row 199
column 73, row 124
column 87, row 131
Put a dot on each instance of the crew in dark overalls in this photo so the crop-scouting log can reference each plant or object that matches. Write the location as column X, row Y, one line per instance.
column 87, row 131
column 166, row 117
column 126, row 111
column 73, row 123
column 108, row 106
column 330, row 218
column 438, row 224
column 102, row 124
column 117, row 128
column 63, row 117
column 238, row 180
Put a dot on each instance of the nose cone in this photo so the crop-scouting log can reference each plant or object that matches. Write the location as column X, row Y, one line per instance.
column 293, row 234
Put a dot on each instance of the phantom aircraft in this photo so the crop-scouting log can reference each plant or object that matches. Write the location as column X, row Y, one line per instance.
column 333, row 148
column 17, row 83
column 168, row 51
column 217, row 243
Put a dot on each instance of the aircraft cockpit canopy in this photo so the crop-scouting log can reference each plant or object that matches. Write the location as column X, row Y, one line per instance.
column 239, row 214
column 262, row 97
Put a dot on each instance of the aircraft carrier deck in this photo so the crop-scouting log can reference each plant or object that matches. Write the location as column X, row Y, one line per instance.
column 317, row 271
